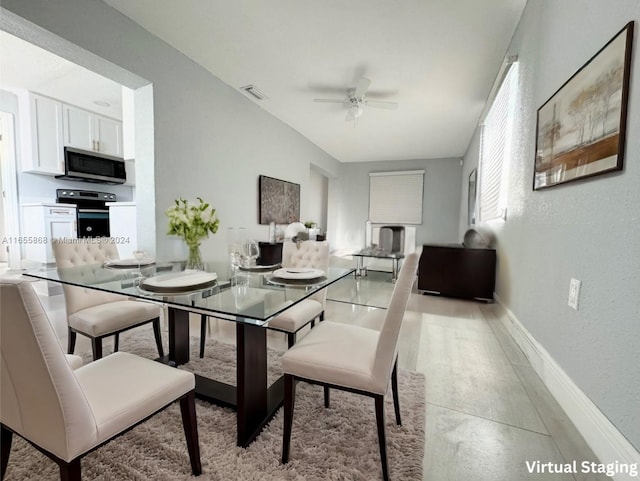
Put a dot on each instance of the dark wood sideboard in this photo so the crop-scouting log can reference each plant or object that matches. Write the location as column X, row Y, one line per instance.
column 457, row 271
column 270, row 253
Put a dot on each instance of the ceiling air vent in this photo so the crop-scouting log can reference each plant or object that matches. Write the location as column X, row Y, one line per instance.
column 253, row 91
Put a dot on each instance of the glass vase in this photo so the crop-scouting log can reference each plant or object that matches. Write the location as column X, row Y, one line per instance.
column 194, row 260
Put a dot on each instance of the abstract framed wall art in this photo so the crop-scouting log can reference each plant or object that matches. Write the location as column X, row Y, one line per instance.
column 279, row 201
column 580, row 130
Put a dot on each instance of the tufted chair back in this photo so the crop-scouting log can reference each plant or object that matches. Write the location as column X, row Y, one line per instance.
column 311, row 254
column 90, row 253
column 40, row 397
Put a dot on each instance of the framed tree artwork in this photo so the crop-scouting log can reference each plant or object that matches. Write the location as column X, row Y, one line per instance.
column 581, row 129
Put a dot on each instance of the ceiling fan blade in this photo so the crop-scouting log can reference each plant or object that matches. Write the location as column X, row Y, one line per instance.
column 380, row 104
column 361, row 88
column 330, row 101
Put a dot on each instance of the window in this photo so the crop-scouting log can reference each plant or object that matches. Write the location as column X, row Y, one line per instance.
column 396, row 197
column 495, row 146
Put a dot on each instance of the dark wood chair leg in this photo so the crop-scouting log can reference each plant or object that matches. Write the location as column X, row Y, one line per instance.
column 203, row 333
column 96, row 347
column 289, row 403
column 381, row 435
column 71, row 341
column 291, row 339
column 326, row 396
column 70, row 471
column 313, row 323
column 116, row 342
column 158, row 335
column 394, row 389
column 322, row 316
column 188, row 410
column 5, row 444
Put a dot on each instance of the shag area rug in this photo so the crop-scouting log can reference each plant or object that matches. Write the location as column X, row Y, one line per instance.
column 339, row 443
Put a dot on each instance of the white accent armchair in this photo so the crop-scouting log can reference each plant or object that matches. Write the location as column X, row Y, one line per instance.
column 97, row 314
column 351, row 358
column 68, row 413
column 311, row 254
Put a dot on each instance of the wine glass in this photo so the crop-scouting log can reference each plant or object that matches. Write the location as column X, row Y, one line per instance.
column 251, row 252
column 139, row 255
column 235, row 240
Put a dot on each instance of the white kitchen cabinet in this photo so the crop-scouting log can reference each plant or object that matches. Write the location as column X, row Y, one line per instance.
column 42, row 125
column 123, row 227
column 44, row 224
column 90, row 131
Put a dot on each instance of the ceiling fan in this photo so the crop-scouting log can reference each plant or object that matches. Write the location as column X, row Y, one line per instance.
column 356, row 100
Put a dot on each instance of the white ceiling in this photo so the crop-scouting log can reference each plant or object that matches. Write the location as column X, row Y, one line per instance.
column 23, row 66
column 436, row 58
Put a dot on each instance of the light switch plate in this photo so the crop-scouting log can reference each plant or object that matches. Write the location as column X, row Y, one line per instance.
column 574, row 293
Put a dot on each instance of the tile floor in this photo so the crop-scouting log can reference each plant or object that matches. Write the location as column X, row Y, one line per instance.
column 487, row 412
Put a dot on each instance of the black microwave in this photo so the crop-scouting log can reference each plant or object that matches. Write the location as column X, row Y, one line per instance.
column 87, row 166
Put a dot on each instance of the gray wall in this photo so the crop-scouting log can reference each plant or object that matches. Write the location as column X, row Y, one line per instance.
column 589, row 230
column 441, row 201
column 210, row 140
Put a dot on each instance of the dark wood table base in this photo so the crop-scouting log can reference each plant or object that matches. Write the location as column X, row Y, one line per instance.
column 254, row 401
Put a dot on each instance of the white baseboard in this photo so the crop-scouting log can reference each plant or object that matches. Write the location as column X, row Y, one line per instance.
column 607, row 443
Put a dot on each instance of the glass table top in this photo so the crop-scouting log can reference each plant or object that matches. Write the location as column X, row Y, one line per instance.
column 378, row 254
column 243, row 296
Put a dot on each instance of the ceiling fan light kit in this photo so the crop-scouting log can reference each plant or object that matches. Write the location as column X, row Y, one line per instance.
column 356, row 100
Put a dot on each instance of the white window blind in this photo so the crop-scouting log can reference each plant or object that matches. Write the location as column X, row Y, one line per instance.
column 396, row 197
column 495, row 149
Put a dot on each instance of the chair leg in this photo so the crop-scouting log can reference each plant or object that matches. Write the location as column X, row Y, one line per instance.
column 5, row 444
column 70, row 471
column 96, row 347
column 71, row 341
column 322, row 316
column 326, row 396
column 188, row 410
column 381, row 436
column 158, row 336
column 289, row 403
column 116, row 342
column 203, row 333
column 291, row 339
column 394, row 389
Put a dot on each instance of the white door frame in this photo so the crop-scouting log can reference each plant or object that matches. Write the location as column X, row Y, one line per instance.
column 11, row 214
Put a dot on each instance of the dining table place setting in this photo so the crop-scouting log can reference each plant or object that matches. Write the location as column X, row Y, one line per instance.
column 179, row 282
column 297, row 276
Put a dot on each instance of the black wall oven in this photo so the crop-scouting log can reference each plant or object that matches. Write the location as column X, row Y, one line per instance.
column 93, row 214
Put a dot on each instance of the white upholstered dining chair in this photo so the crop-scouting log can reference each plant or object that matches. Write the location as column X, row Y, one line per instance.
column 97, row 314
column 315, row 255
column 67, row 413
column 351, row 358
column 311, row 254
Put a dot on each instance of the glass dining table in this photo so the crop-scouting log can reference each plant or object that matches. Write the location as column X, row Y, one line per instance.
column 249, row 298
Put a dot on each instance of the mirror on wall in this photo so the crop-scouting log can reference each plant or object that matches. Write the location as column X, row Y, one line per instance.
column 471, row 197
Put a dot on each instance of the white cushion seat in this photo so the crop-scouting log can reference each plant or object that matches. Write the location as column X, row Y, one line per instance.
column 122, row 389
column 297, row 316
column 339, row 354
column 74, row 361
column 111, row 317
